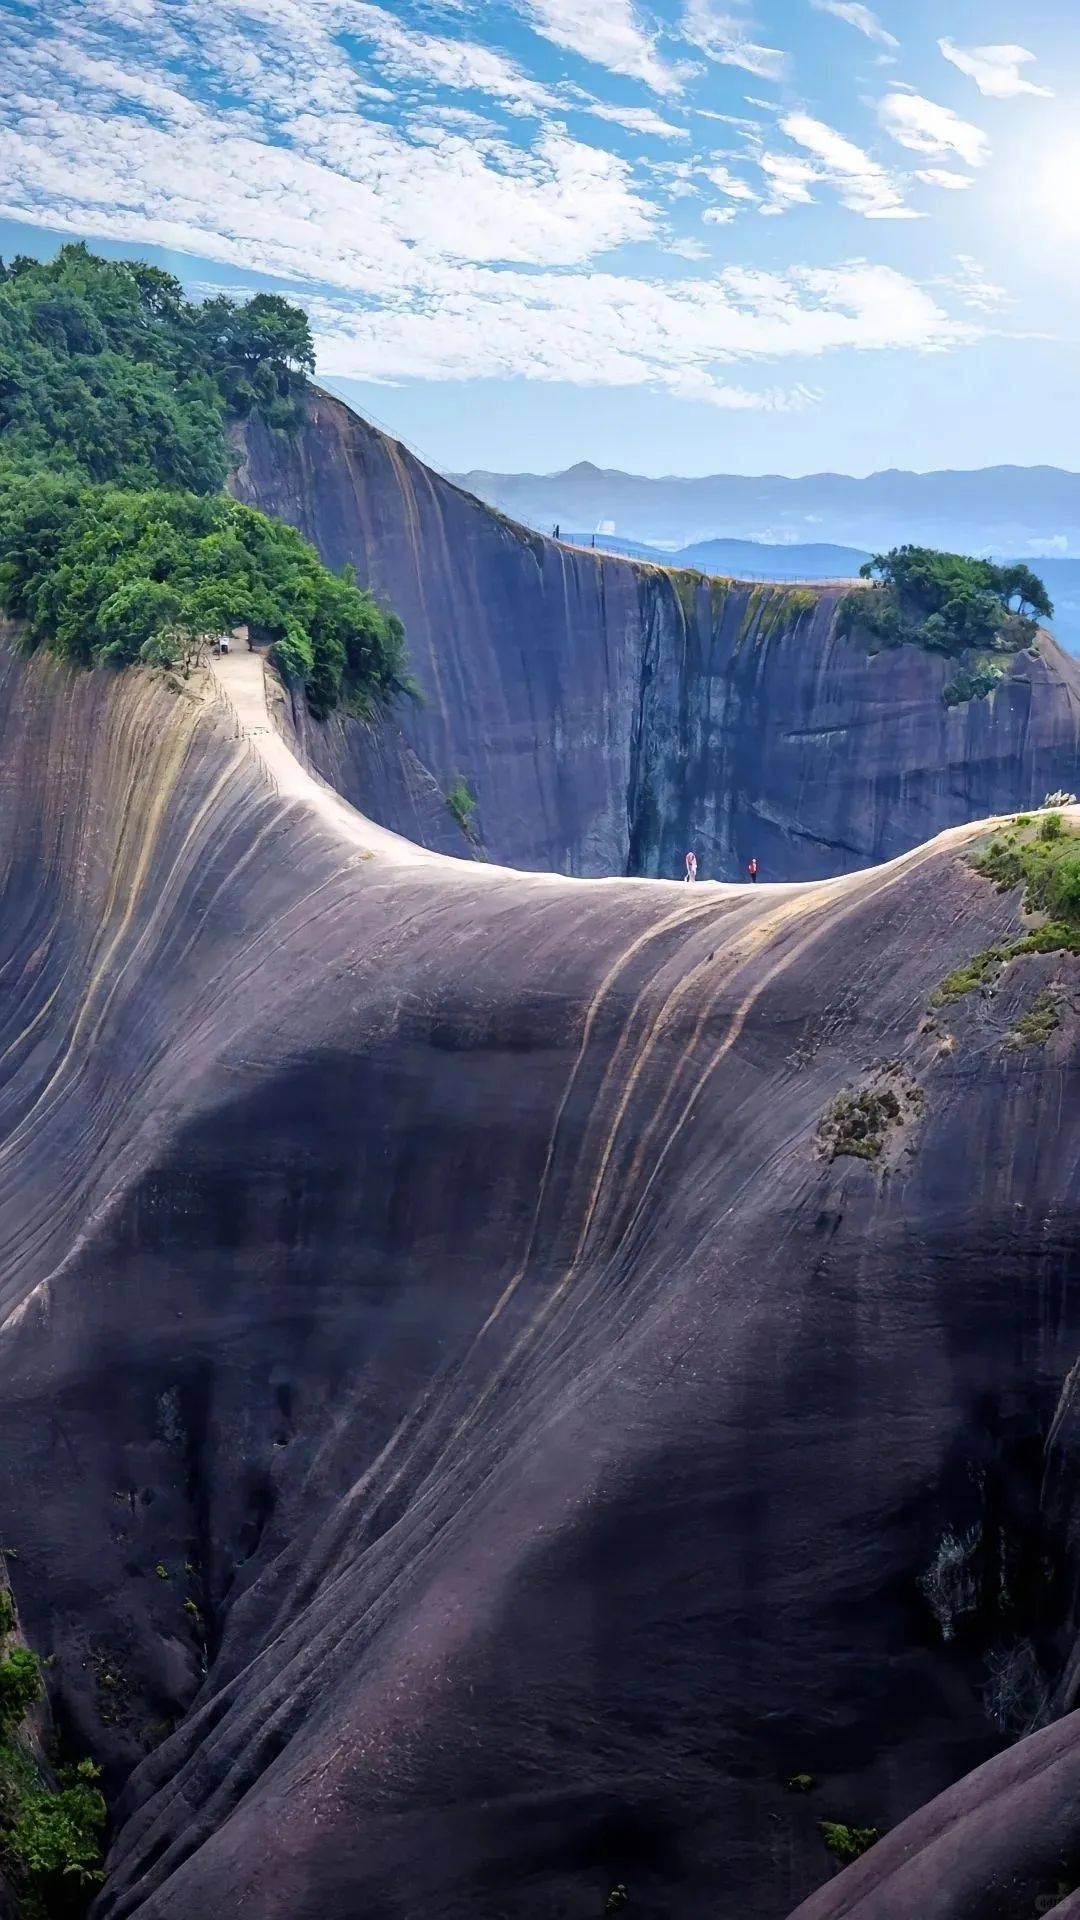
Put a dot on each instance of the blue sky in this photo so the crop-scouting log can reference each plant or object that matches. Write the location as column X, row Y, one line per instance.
column 693, row 236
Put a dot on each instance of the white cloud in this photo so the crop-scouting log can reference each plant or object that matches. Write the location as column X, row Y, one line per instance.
column 608, row 32
column 730, row 120
column 371, row 203
column 719, row 34
column 599, row 330
column 729, row 183
column 462, row 117
column 639, row 120
column 973, row 287
column 858, row 16
column 114, row 82
column 944, row 177
column 460, row 64
column 790, row 179
column 862, row 184
column 675, row 177
column 995, row 70
column 924, row 127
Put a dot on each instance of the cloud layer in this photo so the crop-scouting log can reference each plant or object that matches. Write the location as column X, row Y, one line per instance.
column 443, row 210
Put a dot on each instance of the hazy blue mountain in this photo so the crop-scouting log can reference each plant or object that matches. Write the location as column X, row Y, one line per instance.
column 746, row 558
column 1023, row 510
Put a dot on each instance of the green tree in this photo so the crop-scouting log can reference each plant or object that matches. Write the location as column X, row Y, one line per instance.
column 949, row 603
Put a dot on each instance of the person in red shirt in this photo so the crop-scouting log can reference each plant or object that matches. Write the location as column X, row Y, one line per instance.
column 691, row 866
column 751, row 867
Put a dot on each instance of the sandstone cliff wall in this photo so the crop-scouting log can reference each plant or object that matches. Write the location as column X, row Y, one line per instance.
column 607, row 715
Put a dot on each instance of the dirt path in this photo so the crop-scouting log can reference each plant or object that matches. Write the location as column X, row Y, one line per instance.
column 241, row 677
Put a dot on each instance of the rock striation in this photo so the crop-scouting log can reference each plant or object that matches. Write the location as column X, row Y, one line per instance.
column 470, row 1437
column 607, row 714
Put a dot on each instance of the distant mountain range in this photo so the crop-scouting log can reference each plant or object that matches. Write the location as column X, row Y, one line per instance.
column 1023, row 510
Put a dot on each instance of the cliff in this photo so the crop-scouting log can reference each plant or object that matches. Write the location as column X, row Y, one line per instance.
column 467, row 1443
column 607, row 714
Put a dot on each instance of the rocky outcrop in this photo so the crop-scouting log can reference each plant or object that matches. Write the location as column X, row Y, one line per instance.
column 468, row 1443
column 607, row 714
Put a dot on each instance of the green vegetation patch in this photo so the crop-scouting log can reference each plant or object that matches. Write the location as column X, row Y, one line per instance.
column 973, row 611
column 116, row 542
column 1042, row 1018
column 20, row 1687
column 52, row 1836
column 462, row 804
column 860, row 1124
column 719, row 588
column 687, row 584
column 1042, row 855
column 857, row 1123
column 973, row 682
column 981, row 967
column 847, row 1843
column 104, row 574
column 51, row 1831
column 774, row 609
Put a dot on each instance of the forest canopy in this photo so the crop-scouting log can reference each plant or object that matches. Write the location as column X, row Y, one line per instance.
column 117, row 543
column 110, row 575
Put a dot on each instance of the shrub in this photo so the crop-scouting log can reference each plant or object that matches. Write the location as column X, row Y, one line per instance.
column 1043, row 1017
column 294, row 657
column 982, row 966
column 20, row 1686
column 856, row 1123
column 462, row 804
column 847, row 1843
column 56, row 1835
column 972, row 683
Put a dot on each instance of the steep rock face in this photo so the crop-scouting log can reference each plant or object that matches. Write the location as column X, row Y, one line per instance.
column 608, row 715
column 1002, row 1843
column 437, row 1274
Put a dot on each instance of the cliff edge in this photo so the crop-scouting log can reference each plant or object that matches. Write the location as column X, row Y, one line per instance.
column 606, row 714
